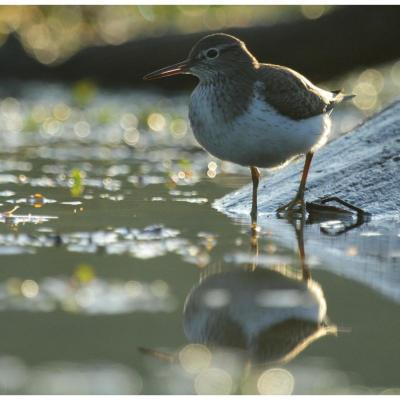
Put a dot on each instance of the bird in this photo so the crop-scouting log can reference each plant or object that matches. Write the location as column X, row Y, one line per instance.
column 254, row 114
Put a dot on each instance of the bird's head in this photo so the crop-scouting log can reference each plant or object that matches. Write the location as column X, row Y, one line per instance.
column 214, row 54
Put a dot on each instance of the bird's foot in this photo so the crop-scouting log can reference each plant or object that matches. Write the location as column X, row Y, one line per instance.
column 253, row 216
column 295, row 206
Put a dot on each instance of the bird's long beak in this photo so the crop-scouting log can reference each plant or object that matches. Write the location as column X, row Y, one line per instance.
column 179, row 68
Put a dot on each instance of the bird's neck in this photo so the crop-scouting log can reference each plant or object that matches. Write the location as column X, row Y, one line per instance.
column 229, row 76
column 228, row 94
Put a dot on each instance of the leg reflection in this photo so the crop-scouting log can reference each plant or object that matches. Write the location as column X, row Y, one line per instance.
column 298, row 226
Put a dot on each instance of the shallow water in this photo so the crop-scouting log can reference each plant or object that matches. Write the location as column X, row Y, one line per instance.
column 118, row 276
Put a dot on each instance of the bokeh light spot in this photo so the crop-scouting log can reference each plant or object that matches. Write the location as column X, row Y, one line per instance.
column 178, row 128
column 275, row 381
column 213, row 381
column 156, row 122
column 195, row 358
column 29, row 288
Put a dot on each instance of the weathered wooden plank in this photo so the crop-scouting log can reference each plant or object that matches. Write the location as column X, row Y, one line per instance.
column 363, row 168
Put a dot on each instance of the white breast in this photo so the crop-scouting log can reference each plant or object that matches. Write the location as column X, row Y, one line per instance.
column 255, row 302
column 259, row 137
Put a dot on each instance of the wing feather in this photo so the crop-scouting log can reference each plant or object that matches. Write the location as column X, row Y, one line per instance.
column 293, row 95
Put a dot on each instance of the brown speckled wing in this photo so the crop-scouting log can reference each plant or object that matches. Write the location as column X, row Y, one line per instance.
column 292, row 95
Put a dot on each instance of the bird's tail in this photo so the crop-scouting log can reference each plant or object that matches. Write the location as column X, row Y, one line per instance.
column 340, row 96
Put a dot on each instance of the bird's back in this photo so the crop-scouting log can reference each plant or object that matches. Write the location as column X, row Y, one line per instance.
column 293, row 95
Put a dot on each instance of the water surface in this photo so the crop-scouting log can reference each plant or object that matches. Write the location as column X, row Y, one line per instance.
column 118, row 276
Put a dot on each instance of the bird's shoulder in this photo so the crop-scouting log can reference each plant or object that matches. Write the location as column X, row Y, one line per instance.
column 293, row 95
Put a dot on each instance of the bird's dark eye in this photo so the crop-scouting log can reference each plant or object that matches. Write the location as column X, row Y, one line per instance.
column 212, row 53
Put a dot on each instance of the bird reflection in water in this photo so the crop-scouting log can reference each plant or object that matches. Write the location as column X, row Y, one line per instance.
column 269, row 314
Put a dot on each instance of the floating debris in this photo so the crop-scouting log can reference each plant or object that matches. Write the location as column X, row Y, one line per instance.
column 122, row 169
column 149, row 242
column 36, row 200
column 118, row 197
column 9, row 218
column 85, row 293
column 7, row 193
column 142, row 180
column 192, row 200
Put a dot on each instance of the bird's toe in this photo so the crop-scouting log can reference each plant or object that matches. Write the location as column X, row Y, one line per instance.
column 294, row 206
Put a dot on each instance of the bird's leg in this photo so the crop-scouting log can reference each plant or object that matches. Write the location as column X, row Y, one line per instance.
column 299, row 230
column 255, row 176
column 299, row 198
column 253, row 247
column 302, row 187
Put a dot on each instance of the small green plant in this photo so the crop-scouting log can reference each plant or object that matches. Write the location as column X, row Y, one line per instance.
column 77, row 186
column 185, row 164
column 83, row 92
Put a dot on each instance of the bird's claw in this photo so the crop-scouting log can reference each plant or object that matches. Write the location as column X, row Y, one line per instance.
column 297, row 205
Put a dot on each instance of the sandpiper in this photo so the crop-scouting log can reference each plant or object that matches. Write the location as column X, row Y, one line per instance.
column 253, row 114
